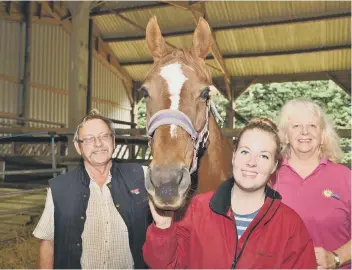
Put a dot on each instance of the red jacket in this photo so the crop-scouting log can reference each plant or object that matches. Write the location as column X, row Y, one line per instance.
column 206, row 237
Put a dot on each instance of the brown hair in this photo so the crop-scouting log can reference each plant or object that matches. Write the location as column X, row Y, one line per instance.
column 94, row 114
column 265, row 125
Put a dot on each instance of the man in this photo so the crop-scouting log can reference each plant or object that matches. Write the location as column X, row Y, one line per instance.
column 97, row 215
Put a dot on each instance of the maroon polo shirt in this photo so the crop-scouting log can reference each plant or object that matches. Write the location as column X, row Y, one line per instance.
column 322, row 199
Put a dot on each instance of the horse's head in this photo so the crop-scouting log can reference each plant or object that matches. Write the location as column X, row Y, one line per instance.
column 177, row 92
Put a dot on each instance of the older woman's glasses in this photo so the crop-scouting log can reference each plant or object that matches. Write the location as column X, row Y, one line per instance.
column 92, row 139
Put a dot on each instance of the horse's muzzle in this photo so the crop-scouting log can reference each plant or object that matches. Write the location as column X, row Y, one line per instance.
column 168, row 187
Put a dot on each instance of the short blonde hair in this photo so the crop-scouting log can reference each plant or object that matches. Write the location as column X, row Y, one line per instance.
column 94, row 114
column 331, row 141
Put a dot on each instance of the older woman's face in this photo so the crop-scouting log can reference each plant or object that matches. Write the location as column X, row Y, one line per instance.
column 304, row 132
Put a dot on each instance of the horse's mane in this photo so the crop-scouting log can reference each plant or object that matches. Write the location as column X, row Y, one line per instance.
column 186, row 57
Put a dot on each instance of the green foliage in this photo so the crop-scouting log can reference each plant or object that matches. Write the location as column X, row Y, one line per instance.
column 266, row 100
column 141, row 114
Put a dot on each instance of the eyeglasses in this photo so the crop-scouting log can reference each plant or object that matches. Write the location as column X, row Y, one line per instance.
column 92, row 139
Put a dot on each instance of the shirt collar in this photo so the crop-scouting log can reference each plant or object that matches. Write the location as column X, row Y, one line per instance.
column 284, row 162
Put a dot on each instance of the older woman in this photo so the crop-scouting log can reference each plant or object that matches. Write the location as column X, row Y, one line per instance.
column 309, row 181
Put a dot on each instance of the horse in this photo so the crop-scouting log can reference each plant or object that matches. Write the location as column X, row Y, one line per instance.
column 185, row 138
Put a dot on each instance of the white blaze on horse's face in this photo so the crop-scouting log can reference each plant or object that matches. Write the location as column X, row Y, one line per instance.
column 175, row 79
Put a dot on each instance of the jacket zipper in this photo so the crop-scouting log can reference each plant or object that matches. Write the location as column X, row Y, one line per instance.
column 237, row 258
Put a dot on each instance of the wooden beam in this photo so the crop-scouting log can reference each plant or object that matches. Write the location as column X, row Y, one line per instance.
column 37, row 19
column 185, row 5
column 228, row 132
column 346, row 88
column 241, row 83
column 49, row 10
column 33, row 130
column 260, row 54
column 288, row 52
column 102, row 12
column 8, row 7
column 228, row 90
column 23, row 97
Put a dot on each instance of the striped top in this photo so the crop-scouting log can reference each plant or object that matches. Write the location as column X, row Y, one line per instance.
column 243, row 221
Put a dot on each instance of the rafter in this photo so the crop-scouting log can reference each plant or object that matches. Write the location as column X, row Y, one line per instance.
column 260, row 54
column 335, row 79
column 241, row 83
column 101, row 12
column 47, row 8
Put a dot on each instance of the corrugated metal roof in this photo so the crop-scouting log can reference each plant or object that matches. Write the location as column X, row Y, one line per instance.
column 169, row 17
column 232, row 12
column 290, row 36
column 286, row 64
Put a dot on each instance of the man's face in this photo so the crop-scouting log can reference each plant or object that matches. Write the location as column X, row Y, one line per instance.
column 96, row 144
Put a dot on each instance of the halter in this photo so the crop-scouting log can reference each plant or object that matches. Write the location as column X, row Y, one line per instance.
column 176, row 117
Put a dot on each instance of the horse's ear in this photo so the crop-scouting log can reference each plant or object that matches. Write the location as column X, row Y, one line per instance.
column 155, row 41
column 202, row 39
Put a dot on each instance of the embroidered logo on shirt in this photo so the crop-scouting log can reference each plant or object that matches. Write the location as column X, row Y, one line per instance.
column 328, row 193
column 135, row 191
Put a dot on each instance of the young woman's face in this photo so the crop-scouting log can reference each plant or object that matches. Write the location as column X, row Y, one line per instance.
column 254, row 160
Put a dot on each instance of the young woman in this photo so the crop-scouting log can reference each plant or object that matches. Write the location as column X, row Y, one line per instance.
column 243, row 224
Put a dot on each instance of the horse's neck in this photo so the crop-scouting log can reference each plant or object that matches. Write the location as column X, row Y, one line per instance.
column 215, row 165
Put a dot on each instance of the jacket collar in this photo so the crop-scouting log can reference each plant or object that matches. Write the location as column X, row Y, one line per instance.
column 220, row 202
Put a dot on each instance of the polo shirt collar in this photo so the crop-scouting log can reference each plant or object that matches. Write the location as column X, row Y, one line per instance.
column 284, row 162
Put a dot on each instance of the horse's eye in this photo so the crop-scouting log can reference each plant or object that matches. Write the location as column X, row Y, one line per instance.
column 144, row 92
column 205, row 93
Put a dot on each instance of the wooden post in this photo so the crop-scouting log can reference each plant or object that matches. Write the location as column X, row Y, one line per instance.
column 23, row 97
column 90, row 65
column 2, row 169
column 230, row 112
column 78, row 75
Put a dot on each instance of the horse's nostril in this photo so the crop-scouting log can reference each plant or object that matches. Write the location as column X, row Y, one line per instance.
column 165, row 191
